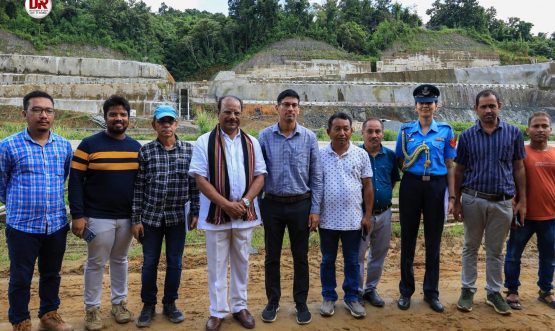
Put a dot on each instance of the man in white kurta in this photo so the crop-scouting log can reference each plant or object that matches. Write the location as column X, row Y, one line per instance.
column 228, row 237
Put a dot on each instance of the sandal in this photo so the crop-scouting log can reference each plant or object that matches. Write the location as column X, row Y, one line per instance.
column 513, row 303
column 543, row 298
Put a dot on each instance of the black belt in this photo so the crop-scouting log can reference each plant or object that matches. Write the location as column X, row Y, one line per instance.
column 487, row 196
column 287, row 199
column 381, row 210
column 426, row 178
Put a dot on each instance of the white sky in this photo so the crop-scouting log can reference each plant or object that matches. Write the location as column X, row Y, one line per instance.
column 539, row 12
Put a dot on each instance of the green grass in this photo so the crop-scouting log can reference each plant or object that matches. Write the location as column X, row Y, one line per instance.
column 206, row 121
column 455, row 230
column 194, row 245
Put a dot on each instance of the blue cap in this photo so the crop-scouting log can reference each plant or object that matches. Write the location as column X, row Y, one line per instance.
column 426, row 93
column 163, row 111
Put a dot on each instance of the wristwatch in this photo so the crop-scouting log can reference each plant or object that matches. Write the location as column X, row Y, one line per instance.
column 247, row 202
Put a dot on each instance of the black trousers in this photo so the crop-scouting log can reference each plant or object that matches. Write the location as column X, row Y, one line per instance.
column 418, row 197
column 276, row 216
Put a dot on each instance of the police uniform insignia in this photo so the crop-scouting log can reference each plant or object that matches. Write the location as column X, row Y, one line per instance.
column 425, row 91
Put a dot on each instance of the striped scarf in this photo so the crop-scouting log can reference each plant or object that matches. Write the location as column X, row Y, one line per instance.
column 217, row 168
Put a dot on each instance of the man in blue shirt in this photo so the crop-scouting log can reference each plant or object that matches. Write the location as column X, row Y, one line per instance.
column 33, row 167
column 292, row 194
column 489, row 172
column 385, row 176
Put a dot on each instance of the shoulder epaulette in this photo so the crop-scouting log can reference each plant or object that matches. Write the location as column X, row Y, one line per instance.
column 443, row 124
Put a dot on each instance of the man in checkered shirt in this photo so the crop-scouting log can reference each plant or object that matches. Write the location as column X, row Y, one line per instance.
column 162, row 189
column 34, row 164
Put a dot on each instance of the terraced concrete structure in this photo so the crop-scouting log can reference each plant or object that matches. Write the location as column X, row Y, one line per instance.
column 524, row 88
column 83, row 84
column 325, row 87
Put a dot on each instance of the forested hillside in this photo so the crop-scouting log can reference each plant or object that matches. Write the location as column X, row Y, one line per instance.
column 194, row 44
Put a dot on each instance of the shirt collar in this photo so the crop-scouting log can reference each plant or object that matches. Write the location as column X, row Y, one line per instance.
column 382, row 150
column 177, row 143
column 329, row 150
column 417, row 127
column 276, row 129
column 226, row 136
column 500, row 125
column 26, row 136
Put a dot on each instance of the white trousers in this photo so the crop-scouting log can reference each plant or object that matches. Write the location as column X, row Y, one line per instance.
column 225, row 247
column 113, row 237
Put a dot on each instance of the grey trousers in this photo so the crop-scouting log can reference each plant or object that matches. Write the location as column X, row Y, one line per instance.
column 113, row 237
column 377, row 245
column 491, row 220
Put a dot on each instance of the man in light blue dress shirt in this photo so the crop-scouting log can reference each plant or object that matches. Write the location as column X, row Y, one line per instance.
column 292, row 194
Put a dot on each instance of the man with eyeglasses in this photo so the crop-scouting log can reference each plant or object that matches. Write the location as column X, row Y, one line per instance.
column 489, row 173
column 162, row 189
column 292, row 197
column 33, row 167
column 101, row 183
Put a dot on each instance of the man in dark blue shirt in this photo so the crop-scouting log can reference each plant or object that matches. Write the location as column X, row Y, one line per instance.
column 489, row 172
column 386, row 174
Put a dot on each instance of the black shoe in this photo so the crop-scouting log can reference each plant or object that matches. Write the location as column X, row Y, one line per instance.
column 303, row 314
column 147, row 314
column 172, row 313
column 403, row 303
column 374, row 298
column 434, row 304
column 269, row 314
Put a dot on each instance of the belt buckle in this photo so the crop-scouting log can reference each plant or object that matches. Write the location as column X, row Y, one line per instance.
column 425, row 178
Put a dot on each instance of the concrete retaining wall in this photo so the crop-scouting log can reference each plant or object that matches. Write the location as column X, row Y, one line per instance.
column 53, row 65
column 436, row 59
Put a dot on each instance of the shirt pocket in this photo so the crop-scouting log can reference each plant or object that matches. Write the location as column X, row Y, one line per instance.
column 439, row 144
column 31, row 166
column 182, row 167
column 299, row 159
column 58, row 165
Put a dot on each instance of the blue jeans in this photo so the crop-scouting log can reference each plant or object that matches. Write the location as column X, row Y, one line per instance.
column 329, row 242
column 152, row 248
column 24, row 249
column 545, row 232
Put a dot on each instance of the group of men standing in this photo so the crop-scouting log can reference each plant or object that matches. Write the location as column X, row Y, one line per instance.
column 231, row 182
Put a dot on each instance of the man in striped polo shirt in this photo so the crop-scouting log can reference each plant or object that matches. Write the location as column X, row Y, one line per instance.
column 489, row 172
column 101, row 185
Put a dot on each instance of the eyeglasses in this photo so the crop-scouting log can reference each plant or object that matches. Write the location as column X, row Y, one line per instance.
column 286, row 105
column 39, row 110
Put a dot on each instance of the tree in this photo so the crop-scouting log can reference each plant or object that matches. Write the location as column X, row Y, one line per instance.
column 352, row 37
column 466, row 14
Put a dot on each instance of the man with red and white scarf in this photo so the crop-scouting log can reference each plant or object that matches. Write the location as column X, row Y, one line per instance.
column 229, row 170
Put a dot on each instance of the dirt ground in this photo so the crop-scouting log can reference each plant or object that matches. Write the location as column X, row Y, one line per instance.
column 194, row 298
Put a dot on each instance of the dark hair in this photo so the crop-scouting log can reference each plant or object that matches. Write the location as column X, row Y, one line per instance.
column 288, row 93
column 539, row 114
column 487, row 93
column 35, row 94
column 221, row 100
column 372, row 119
column 114, row 101
column 340, row 115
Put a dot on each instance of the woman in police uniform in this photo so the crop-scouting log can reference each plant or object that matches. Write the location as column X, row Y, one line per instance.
column 425, row 150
